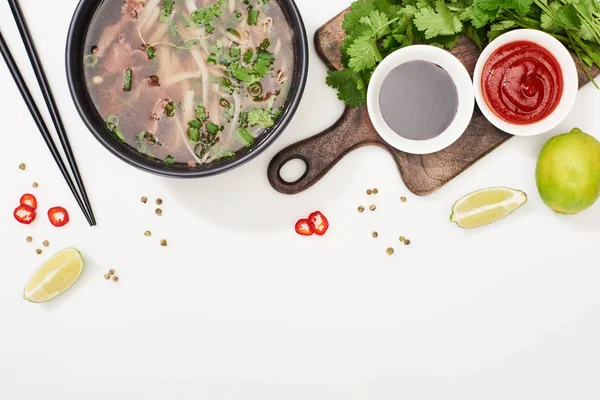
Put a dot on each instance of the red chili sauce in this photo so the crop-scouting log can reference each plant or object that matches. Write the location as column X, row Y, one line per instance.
column 522, row 82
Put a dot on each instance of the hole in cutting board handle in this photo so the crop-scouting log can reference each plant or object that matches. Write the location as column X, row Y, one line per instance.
column 293, row 170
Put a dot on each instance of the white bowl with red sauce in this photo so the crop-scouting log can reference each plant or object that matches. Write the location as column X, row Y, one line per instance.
column 525, row 82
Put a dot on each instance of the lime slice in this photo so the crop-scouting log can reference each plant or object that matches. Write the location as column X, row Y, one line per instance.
column 486, row 206
column 54, row 277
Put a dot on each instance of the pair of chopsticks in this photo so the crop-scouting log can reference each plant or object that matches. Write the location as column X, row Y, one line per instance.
column 80, row 196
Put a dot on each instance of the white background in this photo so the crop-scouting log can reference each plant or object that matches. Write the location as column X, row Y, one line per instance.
column 240, row 307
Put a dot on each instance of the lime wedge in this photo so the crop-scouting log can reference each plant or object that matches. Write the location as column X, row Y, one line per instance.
column 486, row 206
column 54, row 277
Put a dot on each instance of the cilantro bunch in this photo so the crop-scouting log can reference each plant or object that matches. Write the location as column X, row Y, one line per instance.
column 376, row 28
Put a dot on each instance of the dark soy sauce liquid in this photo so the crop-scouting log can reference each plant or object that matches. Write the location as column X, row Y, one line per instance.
column 418, row 100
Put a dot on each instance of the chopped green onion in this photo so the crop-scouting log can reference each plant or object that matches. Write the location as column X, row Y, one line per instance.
column 200, row 150
column 194, row 134
column 213, row 129
column 252, row 16
column 255, row 89
column 90, row 60
column 245, row 135
column 265, row 44
column 112, row 122
column 128, row 79
column 248, row 56
column 113, row 119
column 224, row 103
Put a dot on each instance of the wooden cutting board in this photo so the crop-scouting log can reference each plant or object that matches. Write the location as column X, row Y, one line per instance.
column 422, row 174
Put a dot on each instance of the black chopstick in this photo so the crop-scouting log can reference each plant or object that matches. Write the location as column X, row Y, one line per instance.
column 40, row 74
column 39, row 121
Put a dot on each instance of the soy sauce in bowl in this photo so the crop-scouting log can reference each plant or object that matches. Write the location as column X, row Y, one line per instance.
column 418, row 100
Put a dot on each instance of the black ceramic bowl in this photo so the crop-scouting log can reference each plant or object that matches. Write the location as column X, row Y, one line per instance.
column 75, row 75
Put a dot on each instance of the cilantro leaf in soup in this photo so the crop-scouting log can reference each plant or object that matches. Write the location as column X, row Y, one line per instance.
column 260, row 117
column 169, row 160
column 206, row 16
column 167, row 10
column 240, row 73
column 151, row 52
column 170, row 109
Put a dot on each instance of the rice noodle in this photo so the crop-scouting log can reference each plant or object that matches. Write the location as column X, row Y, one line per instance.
column 231, row 6
column 237, row 100
column 203, row 70
column 188, row 106
column 213, row 105
column 277, row 47
column 235, row 39
column 149, row 23
column 149, row 8
column 174, row 79
column 268, row 26
column 191, row 5
column 159, row 33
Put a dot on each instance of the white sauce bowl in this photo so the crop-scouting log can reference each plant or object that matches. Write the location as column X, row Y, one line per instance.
column 569, row 74
column 464, row 88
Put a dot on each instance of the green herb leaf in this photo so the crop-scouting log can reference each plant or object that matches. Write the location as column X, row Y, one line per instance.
column 567, row 17
column 169, row 160
column 364, row 54
column 240, row 73
column 260, row 117
column 151, row 52
column 522, row 7
column 346, row 82
column 235, row 52
column 170, row 109
column 439, row 22
column 167, row 10
column 206, row 16
column 261, row 68
column 201, row 114
column 378, row 22
column 360, row 8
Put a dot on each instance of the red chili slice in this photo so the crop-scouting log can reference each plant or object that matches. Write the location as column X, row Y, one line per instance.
column 304, row 227
column 319, row 222
column 24, row 214
column 29, row 200
column 58, row 216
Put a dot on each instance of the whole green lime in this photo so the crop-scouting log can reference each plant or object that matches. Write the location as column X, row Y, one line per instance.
column 568, row 172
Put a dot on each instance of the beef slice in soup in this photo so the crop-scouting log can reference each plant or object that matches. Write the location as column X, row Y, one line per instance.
column 189, row 81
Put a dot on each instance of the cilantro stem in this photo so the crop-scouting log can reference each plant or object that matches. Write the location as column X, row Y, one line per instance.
column 175, row 46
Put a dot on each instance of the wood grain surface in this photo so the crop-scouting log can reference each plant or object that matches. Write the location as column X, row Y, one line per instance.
column 422, row 174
